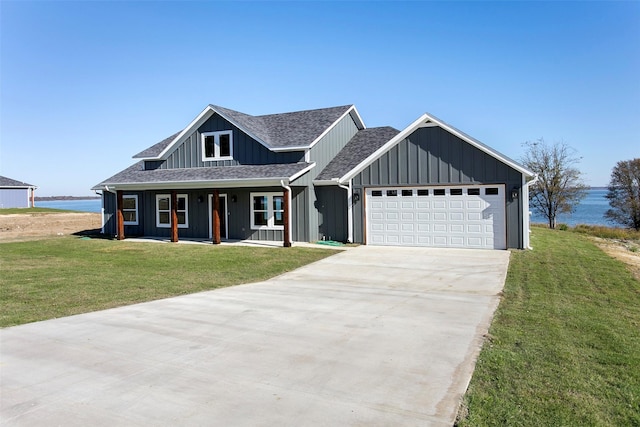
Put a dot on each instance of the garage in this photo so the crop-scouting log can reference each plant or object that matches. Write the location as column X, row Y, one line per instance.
column 437, row 216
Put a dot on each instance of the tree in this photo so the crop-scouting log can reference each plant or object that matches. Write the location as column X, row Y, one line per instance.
column 559, row 187
column 624, row 194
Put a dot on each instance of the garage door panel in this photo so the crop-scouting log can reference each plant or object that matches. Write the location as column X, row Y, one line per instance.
column 455, row 217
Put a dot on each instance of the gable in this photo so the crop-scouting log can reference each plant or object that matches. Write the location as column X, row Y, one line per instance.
column 432, row 155
column 429, row 121
column 294, row 131
column 246, row 150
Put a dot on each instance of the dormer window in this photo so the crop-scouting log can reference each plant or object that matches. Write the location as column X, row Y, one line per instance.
column 217, row 145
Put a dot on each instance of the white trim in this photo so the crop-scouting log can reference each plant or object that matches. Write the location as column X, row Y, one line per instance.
column 526, row 214
column 270, row 211
column 210, row 110
column 359, row 124
column 427, row 120
column 216, row 140
column 302, row 172
column 289, row 197
column 135, row 197
column 186, row 211
column 349, row 189
column 225, row 213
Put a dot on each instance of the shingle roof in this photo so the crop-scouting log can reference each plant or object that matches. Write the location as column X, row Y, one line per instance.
column 156, row 149
column 361, row 146
column 8, row 182
column 284, row 130
column 136, row 174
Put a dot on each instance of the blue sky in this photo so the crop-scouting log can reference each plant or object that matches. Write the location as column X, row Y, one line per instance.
column 85, row 85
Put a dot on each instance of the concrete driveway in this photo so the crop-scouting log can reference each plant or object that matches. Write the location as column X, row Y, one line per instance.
column 371, row 336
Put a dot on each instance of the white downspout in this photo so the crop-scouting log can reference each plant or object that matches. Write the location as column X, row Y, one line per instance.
column 349, row 189
column 285, row 186
column 525, row 211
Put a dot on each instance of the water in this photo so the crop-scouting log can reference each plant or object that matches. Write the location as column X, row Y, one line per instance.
column 90, row 205
column 590, row 211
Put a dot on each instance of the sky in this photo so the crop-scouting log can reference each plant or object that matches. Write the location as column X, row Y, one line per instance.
column 85, row 85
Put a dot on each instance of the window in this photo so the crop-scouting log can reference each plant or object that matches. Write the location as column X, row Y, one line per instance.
column 423, row 192
column 217, row 145
column 406, row 193
column 439, row 192
column 473, row 191
column 376, row 193
column 456, row 192
column 392, row 193
column 130, row 209
column 163, row 210
column 267, row 211
column 490, row 191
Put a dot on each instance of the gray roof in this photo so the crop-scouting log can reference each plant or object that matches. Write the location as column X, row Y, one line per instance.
column 8, row 182
column 362, row 145
column 136, row 174
column 156, row 149
column 284, row 130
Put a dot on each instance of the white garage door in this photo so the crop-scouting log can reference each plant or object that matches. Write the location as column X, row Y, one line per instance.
column 461, row 217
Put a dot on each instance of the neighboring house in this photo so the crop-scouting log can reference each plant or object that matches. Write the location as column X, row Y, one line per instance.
column 320, row 174
column 16, row 194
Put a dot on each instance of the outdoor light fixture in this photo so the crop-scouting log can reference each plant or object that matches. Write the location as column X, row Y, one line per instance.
column 356, row 197
column 200, row 199
column 234, row 198
column 514, row 193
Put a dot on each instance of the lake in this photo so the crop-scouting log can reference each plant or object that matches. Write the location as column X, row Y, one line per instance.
column 590, row 211
column 88, row 205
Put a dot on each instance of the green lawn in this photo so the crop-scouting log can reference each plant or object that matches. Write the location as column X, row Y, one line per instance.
column 564, row 346
column 57, row 277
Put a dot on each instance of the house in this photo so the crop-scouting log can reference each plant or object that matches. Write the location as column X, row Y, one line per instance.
column 16, row 194
column 320, row 174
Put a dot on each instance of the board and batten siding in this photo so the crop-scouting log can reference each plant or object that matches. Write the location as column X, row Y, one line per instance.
column 332, row 213
column 246, row 150
column 322, row 153
column 433, row 156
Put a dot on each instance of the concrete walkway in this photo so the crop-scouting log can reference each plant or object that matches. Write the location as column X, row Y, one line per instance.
column 368, row 337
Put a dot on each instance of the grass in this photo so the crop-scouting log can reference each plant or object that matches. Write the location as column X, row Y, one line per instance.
column 51, row 278
column 22, row 211
column 564, row 345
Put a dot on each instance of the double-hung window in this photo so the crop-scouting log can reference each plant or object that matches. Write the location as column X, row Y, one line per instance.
column 217, row 145
column 267, row 211
column 130, row 209
column 163, row 210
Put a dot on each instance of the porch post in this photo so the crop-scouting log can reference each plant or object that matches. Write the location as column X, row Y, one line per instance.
column 215, row 215
column 174, row 216
column 287, row 237
column 119, row 215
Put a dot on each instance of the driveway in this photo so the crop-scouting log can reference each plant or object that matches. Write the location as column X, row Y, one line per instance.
column 368, row 337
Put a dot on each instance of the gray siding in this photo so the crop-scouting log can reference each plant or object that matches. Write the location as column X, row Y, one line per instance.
column 322, row 153
column 246, row 150
column 238, row 215
column 332, row 213
column 109, row 213
column 14, row 198
column 432, row 156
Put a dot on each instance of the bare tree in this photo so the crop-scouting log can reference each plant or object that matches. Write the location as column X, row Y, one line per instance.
column 559, row 187
column 624, row 194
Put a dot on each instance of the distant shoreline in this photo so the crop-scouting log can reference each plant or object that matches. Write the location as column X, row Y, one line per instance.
column 54, row 198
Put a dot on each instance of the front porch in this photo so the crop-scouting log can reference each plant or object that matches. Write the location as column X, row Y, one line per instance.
column 213, row 215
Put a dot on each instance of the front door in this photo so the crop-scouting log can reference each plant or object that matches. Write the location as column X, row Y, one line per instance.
column 222, row 212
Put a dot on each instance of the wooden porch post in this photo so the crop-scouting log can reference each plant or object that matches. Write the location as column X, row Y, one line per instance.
column 119, row 215
column 287, row 238
column 174, row 216
column 215, row 215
